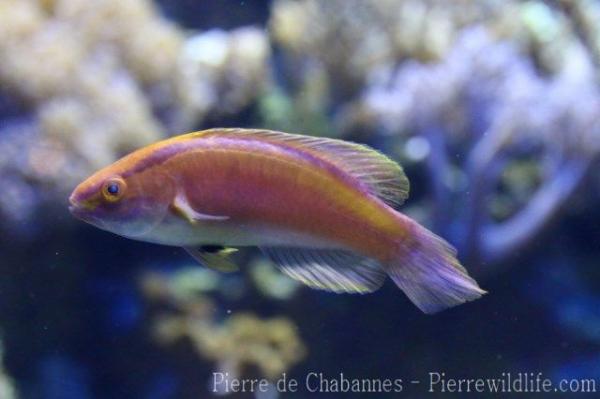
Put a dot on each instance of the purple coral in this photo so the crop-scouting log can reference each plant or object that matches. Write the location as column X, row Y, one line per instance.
column 484, row 105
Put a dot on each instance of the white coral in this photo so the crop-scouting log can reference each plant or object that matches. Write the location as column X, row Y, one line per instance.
column 106, row 76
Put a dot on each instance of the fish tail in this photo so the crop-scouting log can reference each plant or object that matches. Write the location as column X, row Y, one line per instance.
column 427, row 270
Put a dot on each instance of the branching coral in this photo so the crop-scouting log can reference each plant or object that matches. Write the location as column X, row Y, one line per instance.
column 341, row 45
column 500, row 98
column 349, row 39
column 514, row 82
column 584, row 16
column 241, row 344
column 487, row 98
column 99, row 78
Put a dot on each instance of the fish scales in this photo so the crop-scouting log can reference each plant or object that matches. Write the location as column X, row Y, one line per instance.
column 216, row 174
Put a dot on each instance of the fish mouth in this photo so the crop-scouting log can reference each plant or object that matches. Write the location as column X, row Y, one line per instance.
column 80, row 211
column 74, row 207
column 84, row 214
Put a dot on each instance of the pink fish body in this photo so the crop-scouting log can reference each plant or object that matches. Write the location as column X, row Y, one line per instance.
column 322, row 209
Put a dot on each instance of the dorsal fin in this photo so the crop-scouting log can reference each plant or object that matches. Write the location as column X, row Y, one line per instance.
column 378, row 174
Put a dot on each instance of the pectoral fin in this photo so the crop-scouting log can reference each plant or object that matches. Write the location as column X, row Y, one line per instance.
column 214, row 257
column 182, row 207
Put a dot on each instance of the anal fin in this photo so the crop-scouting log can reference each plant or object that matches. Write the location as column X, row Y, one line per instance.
column 330, row 270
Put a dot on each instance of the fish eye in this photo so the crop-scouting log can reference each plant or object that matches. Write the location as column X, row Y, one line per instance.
column 113, row 189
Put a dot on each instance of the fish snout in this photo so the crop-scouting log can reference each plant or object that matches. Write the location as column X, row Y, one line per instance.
column 74, row 207
column 72, row 201
column 78, row 208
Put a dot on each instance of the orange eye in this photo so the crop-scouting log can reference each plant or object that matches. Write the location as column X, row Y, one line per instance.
column 113, row 189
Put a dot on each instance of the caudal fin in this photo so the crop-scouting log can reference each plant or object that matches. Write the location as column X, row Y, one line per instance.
column 430, row 275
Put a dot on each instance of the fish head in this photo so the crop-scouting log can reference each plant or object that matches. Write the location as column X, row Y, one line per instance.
column 124, row 203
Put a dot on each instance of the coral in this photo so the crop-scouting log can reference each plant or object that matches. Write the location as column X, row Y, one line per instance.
column 585, row 16
column 349, row 39
column 241, row 344
column 493, row 111
column 341, row 46
column 121, row 78
column 271, row 282
column 509, row 87
column 221, row 72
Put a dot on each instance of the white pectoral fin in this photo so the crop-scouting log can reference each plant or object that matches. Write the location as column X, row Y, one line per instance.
column 182, row 207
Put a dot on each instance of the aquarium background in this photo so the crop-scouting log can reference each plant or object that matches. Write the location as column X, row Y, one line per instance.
column 492, row 107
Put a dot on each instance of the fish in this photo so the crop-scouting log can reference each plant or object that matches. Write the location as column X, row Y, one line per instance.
column 324, row 210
